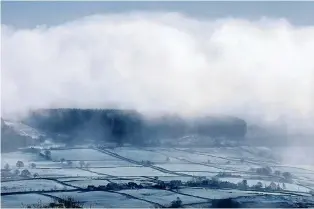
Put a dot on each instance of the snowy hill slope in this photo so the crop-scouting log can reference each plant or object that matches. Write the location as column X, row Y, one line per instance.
column 16, row 135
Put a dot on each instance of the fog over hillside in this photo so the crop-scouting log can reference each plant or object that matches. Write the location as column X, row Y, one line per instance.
column 164, row 63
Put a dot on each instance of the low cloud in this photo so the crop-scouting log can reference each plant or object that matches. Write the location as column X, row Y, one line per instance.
column 161, row 62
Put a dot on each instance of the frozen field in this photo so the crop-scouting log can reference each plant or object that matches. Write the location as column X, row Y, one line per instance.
column 84, row 183
column 59, row 172
column 81, row 154
column 130, row 171
column 161, row 196
column 102, row 199
column 106, row 163
column 21, row 200
column 139, row 155
column 104, row 168
column 32, row 185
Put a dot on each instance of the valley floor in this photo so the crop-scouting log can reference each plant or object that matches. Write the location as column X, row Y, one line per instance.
column 84, row 173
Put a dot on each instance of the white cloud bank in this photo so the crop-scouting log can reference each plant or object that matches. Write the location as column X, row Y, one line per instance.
column 161, row 62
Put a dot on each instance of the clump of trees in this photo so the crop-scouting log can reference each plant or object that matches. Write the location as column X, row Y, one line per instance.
column 25, row 173
column 112, row 186
column 258, row 186
column 160, row 185
column 176, row 203
column 243, row 184
column 203, row 181
column 175, row 184
column 115, row 186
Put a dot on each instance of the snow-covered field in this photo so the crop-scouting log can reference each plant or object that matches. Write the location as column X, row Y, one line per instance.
column 32, row 185
column 80, row 154
column 105, row 168
column 139, row 155
column 22, row 200
column 102, row 199
column 85, row 182
column 130, row 171
column 61, row 172
column 161, row 196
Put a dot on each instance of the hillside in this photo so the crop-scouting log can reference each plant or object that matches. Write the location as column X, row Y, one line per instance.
column 15, row 135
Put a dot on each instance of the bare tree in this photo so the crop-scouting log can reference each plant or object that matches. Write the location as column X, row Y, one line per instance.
column 82, row 163
column 6, row 166
column 19, row 164
column 33, row 165
column 35, row 175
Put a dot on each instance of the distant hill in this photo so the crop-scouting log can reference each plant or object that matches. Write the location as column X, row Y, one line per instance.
column 128, row 126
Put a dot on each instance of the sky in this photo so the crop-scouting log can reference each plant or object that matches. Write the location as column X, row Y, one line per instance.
column 249, row 59
column 30, row 14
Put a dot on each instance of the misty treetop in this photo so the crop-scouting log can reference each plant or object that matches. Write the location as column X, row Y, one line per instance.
column 128, row 126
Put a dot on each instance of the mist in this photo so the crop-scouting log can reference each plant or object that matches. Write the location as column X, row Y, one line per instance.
column 162, row 63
